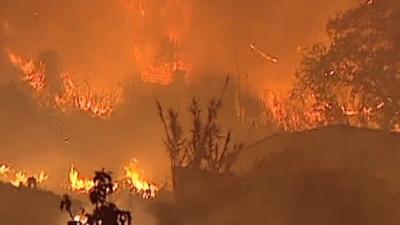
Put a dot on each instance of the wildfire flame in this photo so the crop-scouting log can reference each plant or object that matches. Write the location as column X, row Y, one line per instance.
column 19, row 178
column 137, row 184
column 75, row 96
column 33, row 71
column 285, row 116
column 4, row 169
column 85, row 99
column 152, row 70
column 132, row 180
column 78, row 184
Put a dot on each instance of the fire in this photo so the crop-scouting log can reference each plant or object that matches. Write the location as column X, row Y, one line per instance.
column 85, row 99
column 33, row 71
column 131, row 180
column 74, row 97
column 22, row 179
column 137, row 184
column 19, row 178
column 287, row 116
column 4, row 170
column 42, row 177
column 78, row 184
column 159, row 70
column 156, row 59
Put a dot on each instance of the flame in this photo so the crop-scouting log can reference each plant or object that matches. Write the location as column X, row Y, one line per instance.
column 75, row 96
column 78, row 184
column 131, row 180
column 156, row 59
column 86, row 99
column 22, row 179
column 137, row 184
column 160, row 71
column 4, row 170
column 33, row 71
column 288, row 115
column 19, row 178
column 42, row 177
column 289, row 118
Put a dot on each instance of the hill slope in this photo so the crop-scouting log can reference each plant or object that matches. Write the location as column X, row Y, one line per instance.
column 24, row 206
column 334, row 175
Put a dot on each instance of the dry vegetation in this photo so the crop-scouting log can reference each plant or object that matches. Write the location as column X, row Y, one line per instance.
column 206, row 148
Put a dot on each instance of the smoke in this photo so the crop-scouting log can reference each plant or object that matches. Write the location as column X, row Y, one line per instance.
column 95, row 42
column 96, row 39
column 222, row 31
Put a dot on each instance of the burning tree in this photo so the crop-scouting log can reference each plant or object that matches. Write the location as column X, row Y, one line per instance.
column 358, row 74
column 105, row 212
column 206, row 148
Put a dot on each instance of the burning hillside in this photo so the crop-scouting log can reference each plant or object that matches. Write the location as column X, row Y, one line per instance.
column 132, row 181
column 19, row 178
column 73, row 97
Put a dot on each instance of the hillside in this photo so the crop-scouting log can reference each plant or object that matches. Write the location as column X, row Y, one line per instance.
column 23, row 206
column 331, row 148
column 334, row 175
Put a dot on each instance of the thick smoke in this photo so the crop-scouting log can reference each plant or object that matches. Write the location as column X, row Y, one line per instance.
column 94, row 40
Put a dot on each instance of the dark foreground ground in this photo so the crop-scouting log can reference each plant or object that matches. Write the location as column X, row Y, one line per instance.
column 329, row 176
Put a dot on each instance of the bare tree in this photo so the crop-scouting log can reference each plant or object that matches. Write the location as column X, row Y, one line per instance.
column 206, row 148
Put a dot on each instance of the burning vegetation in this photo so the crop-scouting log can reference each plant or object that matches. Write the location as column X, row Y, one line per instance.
column 77, row 183
column 19, row 178
column 71, row 96
column 353, row 80
column 132, row 180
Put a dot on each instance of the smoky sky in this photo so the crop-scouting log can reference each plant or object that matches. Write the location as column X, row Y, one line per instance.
column 94, row 40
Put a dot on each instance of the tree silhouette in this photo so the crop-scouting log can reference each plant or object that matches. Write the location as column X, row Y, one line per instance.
column 105, row 212
column 207, row 147
column 359, row 69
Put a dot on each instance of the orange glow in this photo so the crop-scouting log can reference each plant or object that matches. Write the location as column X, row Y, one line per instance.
column 284, row 115
column 157, row 59
column 153, row 71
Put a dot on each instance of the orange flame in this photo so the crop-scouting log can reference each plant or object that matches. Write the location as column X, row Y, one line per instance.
column 19, row 178
column 4, row 170
column 78, row 184
column 137, row 184
column 75, row 96
column 34, row 72
column 131, row 180
column 153, row 71
column 85, row 99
